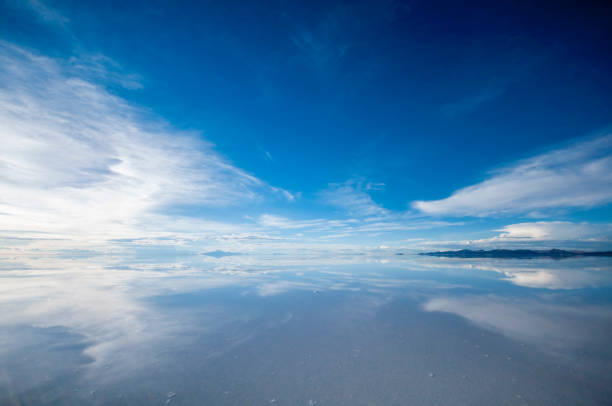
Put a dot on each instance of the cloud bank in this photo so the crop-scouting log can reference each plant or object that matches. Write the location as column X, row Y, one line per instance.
column 79, row 161
column 576, row 176
column 554, row 230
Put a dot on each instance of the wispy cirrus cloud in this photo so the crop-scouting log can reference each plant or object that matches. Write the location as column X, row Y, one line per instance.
column 328, row 39
column 575, row 176
column 43, row 11
column 77, row 160
column 353, row 197
column 471, row 103
column 358, row 218
column 103, row 69
column 366, row 230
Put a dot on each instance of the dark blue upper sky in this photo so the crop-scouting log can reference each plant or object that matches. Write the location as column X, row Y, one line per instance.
column 404, row 101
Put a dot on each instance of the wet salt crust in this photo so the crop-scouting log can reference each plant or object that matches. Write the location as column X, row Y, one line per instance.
column 409, row 331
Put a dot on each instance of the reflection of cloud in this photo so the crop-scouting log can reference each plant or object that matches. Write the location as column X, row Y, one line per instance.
column 126, row 310
column 567, row 274
column 579, row 175
column 112, row 305
column 571, row 273
column 555, row 326
column 278, row 287
column 109, row 308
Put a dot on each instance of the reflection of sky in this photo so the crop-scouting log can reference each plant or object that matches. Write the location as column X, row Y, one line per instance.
column 117, row 318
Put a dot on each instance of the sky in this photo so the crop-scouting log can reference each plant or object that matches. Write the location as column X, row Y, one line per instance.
column 238, row 126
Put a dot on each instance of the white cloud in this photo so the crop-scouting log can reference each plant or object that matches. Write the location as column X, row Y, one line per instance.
column 102, row 68
column 367, row 230
column 469, row 104
column 274, row 221
column 576, row 176
column 536, row 235
column 285, row 194
column 554, row 231
column 44, row 12
column 352, row 197
column 79, row 161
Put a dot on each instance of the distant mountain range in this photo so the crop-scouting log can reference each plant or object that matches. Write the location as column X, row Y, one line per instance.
column 554, row 253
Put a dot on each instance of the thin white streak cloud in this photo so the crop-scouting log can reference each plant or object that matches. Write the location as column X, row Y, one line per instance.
column 323, row 229
column 43, row 11
column 472, row 103
column 285, row 194
column 352, row 197
column 576, row 176
column 79, row 161
column 327, row 40
column 321, row 46
column 102, row 68
column 278, row 222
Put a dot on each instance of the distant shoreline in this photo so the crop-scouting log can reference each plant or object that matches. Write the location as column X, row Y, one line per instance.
column 505, row 253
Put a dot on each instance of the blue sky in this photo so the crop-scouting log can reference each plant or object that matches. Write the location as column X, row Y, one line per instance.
column 236, row 125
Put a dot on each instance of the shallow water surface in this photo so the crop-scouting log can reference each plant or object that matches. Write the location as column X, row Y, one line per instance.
column 355, row 330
